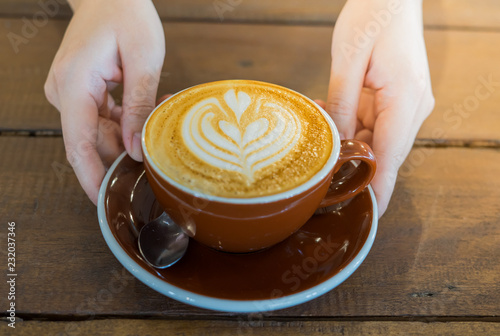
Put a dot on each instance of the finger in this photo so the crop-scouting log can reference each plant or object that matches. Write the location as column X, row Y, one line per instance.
column 347, row 76
column 115, row 111
column 359, row 126
column 321, row 103
column 104, row 109
column 139, row 99
column 116, row 114
column 164, row 97
column 109, row 141
column 364, row 135
column 79, row 118
column 366, row 116
column 393, row 137
column 366, row 108
column 111, row 85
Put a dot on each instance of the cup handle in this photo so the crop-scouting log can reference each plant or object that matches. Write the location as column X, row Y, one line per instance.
column 347, row 186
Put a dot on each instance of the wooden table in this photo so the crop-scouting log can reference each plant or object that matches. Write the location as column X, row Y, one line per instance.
column 435, row 264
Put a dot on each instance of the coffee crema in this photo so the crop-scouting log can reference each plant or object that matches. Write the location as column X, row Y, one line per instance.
column 238, row 139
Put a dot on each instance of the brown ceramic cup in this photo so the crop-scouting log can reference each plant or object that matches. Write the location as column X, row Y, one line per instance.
column 250, row 224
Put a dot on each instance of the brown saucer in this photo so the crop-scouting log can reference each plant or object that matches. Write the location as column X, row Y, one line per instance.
column 325, row 245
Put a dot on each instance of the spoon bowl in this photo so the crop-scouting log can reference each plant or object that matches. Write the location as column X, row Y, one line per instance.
column 162, row 242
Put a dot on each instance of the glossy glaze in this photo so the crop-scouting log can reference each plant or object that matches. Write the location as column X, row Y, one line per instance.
column 237, row 227
column 313, row 254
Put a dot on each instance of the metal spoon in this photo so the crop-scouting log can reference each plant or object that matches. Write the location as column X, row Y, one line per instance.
column 162, row 242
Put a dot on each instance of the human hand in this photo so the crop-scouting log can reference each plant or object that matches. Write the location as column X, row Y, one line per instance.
column 380, row 89
column 106, row 43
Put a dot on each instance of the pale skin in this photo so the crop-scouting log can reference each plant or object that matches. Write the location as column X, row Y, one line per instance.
column 380, row 90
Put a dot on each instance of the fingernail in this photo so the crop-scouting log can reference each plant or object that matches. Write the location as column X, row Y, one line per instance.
column 136, row 146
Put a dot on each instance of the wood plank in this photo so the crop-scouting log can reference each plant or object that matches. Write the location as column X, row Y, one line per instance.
column 197, row 53
column 436, row 253
column 23, row 70
column 460, row 65
column 466, row 14
column 265, row 328
column 480, row 14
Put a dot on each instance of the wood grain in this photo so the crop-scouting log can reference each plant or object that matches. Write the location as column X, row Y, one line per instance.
column 459, row 61
column 466, row 85
column 23, row 69
column 436, row 254
column 465, row 14
column 265, row 328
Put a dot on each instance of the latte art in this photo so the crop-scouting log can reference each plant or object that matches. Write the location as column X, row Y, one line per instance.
column 238, row 139
column 235, row 145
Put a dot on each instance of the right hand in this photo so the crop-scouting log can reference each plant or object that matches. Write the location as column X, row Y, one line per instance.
column 106, row 43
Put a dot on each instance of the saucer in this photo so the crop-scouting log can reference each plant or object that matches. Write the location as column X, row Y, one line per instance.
column 314, row 260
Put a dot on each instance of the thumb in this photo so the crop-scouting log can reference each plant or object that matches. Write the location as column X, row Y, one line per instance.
column 139, row 95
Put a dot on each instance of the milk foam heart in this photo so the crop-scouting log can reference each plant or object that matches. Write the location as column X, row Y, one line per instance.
column 234, row 146
column 238, row 139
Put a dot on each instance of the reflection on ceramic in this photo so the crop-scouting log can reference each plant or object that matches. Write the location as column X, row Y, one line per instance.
column 314, row 260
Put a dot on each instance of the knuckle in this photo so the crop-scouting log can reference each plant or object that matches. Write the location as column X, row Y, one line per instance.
column 139, row 111
column 416, row 80
column 427, row 105
column 60, row 72
column 71, row 156
column 432, row 102
column 61, row 67
column 393, row 159
column 340, row 106
column 140, row 95
column 48, row 89
column 76, row 151
column 86, row 146
column 96, row 84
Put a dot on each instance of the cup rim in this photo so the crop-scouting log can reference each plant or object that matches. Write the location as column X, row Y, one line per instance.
column 320, row 175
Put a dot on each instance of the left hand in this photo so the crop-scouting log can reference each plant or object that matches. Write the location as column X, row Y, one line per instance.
column 380, row 88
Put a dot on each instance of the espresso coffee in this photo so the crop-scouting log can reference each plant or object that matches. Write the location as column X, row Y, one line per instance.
column 238, row 139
